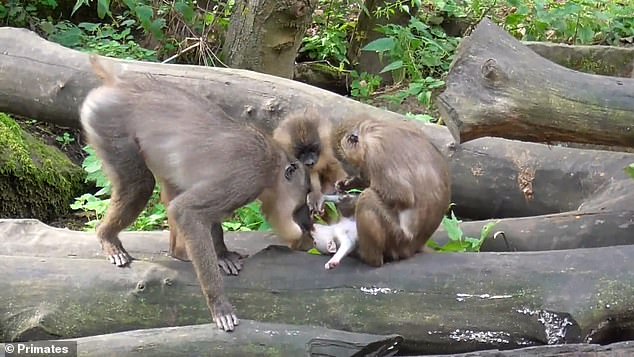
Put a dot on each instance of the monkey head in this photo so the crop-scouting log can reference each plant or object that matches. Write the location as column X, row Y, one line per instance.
column 284, row 204
column 299, row 134
column 349, row 144
column 324, row 239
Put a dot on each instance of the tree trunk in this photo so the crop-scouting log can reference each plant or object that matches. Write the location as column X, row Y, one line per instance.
column 366, row 32
column 499, row 87
column 264, row 36
column 439, row 303
column 251, row 338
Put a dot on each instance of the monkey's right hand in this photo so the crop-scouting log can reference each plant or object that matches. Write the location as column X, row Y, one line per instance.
column 354, row 182
column 230, row 262
column 223, row 314
column 315, row 201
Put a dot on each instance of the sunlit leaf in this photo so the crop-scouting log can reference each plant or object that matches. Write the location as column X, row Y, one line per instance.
column 380, row 45
column 392, row 66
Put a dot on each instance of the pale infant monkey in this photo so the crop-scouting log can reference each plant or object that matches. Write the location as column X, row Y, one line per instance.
column 340, row 238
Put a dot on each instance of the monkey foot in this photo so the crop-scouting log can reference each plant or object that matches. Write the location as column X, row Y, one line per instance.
column 224, row 315
column 315, row 203
column 116, row 254
column 230, row 262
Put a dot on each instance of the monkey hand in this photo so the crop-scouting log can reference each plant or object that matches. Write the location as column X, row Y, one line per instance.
column 223, row 314
column 331, row 264
column 353, row 182
column 230, row 262
column 315, row 201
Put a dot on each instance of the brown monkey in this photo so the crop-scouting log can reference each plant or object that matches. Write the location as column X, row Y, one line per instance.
column 409, row 186
column 306, row 135
column 143, row 128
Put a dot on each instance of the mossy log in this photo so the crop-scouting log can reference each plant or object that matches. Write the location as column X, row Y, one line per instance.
column 439, row 303
column 36, row 180
column 250, row 339
column 499, row 87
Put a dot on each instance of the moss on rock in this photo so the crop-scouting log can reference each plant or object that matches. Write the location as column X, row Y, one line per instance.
column 36, row 180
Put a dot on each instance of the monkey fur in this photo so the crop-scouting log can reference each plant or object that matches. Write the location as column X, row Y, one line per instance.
column 408, row 188
column 306, row 135
column 145, row 130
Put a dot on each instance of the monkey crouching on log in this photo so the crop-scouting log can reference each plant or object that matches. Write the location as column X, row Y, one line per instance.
column 306, row 135
column 408, row 182
column 143, row 129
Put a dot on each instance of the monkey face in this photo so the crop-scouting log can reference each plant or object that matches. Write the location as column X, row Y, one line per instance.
column 352, row 149
column 309, row 155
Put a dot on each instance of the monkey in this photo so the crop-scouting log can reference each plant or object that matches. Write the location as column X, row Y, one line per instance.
column 408, row 188
column 306, row 135
column 145, row 130
column 339, row 239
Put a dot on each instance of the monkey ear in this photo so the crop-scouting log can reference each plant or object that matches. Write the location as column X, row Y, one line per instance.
column 290, row 170
column 331, row 246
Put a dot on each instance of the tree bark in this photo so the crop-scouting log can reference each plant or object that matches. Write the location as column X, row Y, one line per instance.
column 499, row 87
column 264, row 36
column 497, row 301
column 251, row 338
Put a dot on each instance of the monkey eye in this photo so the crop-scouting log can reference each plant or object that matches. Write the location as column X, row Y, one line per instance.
column 290, row 169
column 352, row 139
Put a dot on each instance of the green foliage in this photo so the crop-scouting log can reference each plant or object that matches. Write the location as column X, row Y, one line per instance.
column 65, row 139
column 247, row 218
column 21, row 13
column 418, row 53
column 327, row 38
column 364, row 85
column 458, row 243
column 104, row 39
column 630, row 170
column 425, row 118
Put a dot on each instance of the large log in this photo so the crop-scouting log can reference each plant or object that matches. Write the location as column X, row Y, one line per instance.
column 439, row 303
column 491, row 178
column 250, row 339
column 499, row 87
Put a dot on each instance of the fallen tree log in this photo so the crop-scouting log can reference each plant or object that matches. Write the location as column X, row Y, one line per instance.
column 569, row 350
column 439, row 303
column 251, row 338
column 499, row 87
column 491, row 178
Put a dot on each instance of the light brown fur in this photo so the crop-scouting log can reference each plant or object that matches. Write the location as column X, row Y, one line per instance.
column 209, row 165
column 307, row 136
column 409, row 186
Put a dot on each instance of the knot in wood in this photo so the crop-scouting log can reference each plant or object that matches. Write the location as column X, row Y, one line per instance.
column 492, row 72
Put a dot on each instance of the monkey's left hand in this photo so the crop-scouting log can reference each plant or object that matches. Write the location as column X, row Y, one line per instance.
column 230, row 262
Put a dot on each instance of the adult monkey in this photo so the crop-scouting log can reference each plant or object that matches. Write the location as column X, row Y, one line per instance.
column 145, row 128
column 408, row 188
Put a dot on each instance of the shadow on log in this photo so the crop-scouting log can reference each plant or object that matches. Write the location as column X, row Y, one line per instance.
column 499, row 87
column 439, row 303
column 249, row 339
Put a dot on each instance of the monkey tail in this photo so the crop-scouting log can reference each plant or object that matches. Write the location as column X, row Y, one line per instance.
column 106, row 75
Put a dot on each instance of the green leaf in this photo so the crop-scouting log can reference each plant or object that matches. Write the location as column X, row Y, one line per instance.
column 313, row 251
column 630, row 170
column 156, row 28
column 380, row 45
column 454, row 246
column 103, row 8
column 452, row 226
column 79, row 4
column 487, row 229
column 392, row 66
column 145, row 14
column 186, row 10
column 586, row 35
